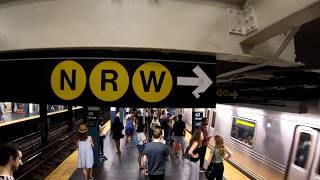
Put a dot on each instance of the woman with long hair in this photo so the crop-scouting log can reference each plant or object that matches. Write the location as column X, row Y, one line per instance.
column 194, row 154
column 85, row 151
column 116, row 131
column 142, row 140
column 217, row 155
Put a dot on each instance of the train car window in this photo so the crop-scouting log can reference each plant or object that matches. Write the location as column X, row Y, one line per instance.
column 303, row 150
column 243, row 130
column 213, row 120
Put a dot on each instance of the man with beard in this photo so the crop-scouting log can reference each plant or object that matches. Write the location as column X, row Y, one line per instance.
column 10, row 160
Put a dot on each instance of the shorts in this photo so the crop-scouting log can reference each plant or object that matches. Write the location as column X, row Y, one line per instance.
column 129, row 131
column 179, row 139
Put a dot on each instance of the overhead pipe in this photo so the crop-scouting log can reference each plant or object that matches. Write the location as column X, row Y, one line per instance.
column 272, row 59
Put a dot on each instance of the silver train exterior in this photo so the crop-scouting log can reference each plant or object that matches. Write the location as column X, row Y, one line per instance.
column 283, row 145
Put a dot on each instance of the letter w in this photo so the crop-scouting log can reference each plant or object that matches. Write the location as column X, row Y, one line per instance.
column 152, row 78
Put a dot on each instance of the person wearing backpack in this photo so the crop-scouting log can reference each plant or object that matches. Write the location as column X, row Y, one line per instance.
column 141, row 140
column 194, row 151
column 217, row 155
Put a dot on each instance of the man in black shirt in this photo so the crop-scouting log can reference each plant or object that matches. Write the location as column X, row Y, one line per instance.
column 10, row 160
column 155, row 153
column 179, row 130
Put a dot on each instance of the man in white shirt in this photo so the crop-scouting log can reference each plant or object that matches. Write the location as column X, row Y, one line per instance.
column 10, row 160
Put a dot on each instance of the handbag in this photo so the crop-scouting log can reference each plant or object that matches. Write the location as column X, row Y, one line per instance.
column 209, row 173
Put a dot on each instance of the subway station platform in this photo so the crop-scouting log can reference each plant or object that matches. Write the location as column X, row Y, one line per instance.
column 124, row 166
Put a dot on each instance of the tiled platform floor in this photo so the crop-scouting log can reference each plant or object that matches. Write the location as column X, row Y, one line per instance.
column 125, row 165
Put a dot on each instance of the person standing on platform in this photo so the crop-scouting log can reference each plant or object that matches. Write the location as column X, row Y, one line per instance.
column 101, row 138
column 10, row 160
column 85, row 152
column 155, row 155
column 116, row 132
column 179, row 131
column 129, row 129
column 164, row 122
column 142, row 140
column 194, row 154
column 206, row 138
column 217, row 155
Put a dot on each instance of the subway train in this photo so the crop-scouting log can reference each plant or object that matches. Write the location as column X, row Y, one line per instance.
column 268, row 144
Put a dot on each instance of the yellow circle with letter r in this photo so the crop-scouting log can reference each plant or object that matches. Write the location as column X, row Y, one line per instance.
column 109, row 81
column 68, row 80
column 152, row 82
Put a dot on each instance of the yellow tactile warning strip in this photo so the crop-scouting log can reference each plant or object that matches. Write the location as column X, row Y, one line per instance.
column 69, row 165
column 229, row 171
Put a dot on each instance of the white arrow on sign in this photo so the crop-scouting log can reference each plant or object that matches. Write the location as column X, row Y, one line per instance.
column 202, row 81
column 234, row 94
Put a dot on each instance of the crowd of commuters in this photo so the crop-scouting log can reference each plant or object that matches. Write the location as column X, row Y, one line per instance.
column 166, row 137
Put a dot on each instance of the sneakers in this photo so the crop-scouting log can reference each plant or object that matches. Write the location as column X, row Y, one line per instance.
column 202, row 170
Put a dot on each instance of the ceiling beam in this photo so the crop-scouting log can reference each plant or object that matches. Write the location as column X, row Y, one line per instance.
column 275, row 17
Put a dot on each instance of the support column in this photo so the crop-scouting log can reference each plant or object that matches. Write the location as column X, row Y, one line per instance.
column 93, row 126
column 44, row 124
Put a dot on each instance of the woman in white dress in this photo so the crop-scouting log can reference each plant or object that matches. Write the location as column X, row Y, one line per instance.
column 85, row 152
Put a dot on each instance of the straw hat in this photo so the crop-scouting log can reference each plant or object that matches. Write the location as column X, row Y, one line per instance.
column 82, row 128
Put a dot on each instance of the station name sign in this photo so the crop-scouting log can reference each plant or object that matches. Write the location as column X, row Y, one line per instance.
column 137, row 82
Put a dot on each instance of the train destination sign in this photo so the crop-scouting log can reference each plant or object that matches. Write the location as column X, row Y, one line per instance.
column 116, row 81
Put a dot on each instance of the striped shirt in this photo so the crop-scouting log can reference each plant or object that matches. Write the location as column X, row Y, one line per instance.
column 6, row 177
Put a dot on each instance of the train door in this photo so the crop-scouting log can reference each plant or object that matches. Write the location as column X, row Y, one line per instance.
column 303, row 152
column 315, row 170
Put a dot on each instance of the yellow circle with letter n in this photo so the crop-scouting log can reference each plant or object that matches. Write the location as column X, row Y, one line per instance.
column 68, row 80
column 109, row 81
column 152, row 82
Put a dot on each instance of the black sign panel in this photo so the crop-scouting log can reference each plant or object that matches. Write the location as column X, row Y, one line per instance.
column 226, row 95
column 196, row 120
column 113, row 77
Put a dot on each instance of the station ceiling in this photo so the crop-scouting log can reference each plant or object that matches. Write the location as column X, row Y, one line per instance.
column 276, row 83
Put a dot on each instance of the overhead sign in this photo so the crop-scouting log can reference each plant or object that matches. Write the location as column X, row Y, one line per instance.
column 138, row 82
column 226, row 94
column 196, row 120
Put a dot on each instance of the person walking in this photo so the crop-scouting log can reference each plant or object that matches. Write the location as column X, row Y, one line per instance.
column 194, row 154
column 179, row 131
column 10, row 160
column 102, row 136
column 85, row 152
column 164, row 122
column 156, row 154
column 206, row 138
column 142, row 140
column 116, row 132
column 129, row 129
column 217, row 155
